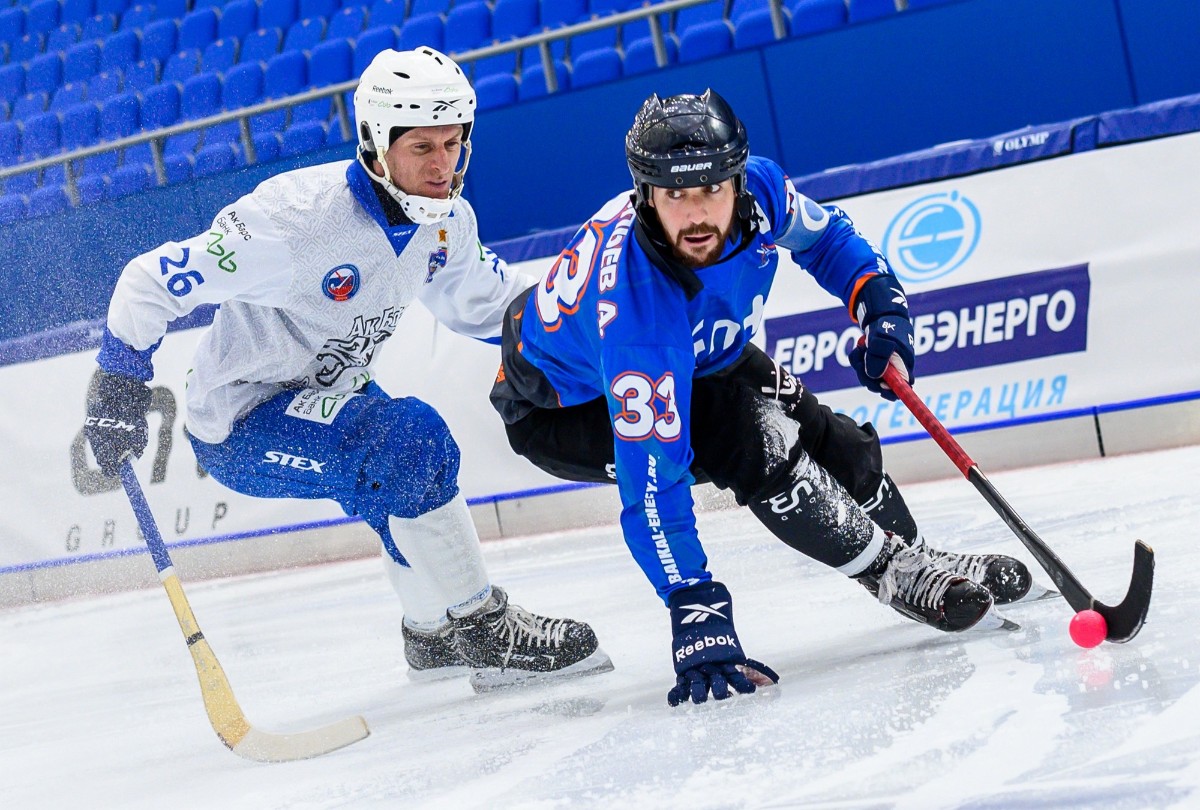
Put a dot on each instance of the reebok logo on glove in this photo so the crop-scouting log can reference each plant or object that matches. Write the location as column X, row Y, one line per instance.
column 702, row 643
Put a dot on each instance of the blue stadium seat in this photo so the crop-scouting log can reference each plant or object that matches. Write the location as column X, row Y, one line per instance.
column 277, row 14
column 179, row 167
column 347, row 23
column 596, row 67
column 533, row 81
column 330, row 62
column 640, row 56
column 40, row 136
column 119, row 118
column 201, row 98
column 238, row 19
column 13, row 208
column 243, row 86
column 498, row 90
column 76, row 11
column 491, row 65
column 335, row 136
column 704, row 40
column 214, row 4
column 63, row 37
column 181, row 66
column 23, row 183
column 388, row 12
column 27, row 47
column 136, row 17
column 285, row 76
column 419, row 7
column 317, row 8
column 304, row 137
column 371, row 43
column 104, row 85
column 686, row 18
column 557, row 13
column 198, row 29
column 863, row 10
column 603, row 40
column 468, row 26
column 219, row 55
column 814, row 16
column 119, row 50
column 43, row 73
column 92, row 189
column 514, row 18
column 10, row 142
column 130, row 180
column 81, row 61
column 12, row 82
column 304, row 35
column 141, row 76
column 261, row 45
column 267, row 146
column 48, row 200
column 12, row 23
column 30, row 104
column 68, row 95
column 755, row 27
column 42, row 16
column 217, row 158
column 98, row 27
column 170, row 9
column 113, row 7
column 80, row 125
column 160, row 106
column 160, row 40
column 426, row 29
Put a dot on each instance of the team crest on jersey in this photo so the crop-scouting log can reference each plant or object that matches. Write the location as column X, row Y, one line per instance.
column 437, row 259
column 341, row 283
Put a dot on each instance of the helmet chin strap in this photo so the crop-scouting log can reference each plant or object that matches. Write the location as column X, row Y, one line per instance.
column 421, row 210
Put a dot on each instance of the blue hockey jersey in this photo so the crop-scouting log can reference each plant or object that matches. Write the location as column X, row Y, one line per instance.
column 606, row 322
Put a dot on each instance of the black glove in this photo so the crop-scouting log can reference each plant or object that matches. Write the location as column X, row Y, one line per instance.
column 705, row 648
column 116, row 419
column 882, row 311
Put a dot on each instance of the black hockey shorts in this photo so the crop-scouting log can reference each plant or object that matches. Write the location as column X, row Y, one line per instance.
column 576, row 443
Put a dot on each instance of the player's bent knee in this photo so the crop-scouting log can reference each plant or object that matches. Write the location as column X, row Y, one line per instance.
column 412, row 466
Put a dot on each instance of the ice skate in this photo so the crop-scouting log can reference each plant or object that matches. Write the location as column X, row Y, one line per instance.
column 506, row 645
column 906, row 577
column 432, row 656
column 1006, row 578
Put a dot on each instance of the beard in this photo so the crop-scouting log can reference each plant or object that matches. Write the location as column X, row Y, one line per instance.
column 688, row 256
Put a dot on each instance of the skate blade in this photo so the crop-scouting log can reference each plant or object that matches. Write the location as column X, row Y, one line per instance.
column 993, row 620
column 1037, row 593
column 437, row 674
column 487, row 680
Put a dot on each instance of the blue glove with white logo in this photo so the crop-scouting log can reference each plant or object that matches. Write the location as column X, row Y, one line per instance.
column 881, row 309
column 116, row 419
column 706, row 650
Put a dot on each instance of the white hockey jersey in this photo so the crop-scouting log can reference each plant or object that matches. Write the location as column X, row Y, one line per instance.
column 311, row 279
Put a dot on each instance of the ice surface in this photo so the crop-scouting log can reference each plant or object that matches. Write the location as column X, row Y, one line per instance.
column 99, row 705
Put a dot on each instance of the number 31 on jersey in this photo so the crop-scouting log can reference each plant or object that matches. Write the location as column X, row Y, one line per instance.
column 647, row 407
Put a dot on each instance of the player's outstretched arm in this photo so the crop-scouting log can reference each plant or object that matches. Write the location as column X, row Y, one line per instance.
column 705, row 649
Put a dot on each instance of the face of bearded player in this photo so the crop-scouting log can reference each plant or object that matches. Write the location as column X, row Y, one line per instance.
column 696, row 221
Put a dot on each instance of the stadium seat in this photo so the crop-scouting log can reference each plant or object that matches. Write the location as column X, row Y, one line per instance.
column 171, row 9
column 335, row 136
column 285, row 76
column 814, row 16
column 27, row 47
column 136, row 18
column 41, row 135
column 160, row 40
column 23, row 183
column 98, row 27
column 238, row 19
column 243, row 86
column 330, row 62
column 198, row 29
column 119, row 50
column 261, row 45
column 863, row 10
column 303, row 35
column 219, row 55
column 426, row 29
column 113, row 7
column 119, row 117
column 687, row 18
column 514, row 18
column 30, row 104
column 129, row 180
column 603, row 40
column 323, row 9
column 704, row 40
column 81, row 61
column 179, row 167
column 13, row 208
column 213, row 4
column 103, row 86
column 68, row 95
column 160, row 106
column 277, row 14
column 181, row 66
column 370, row 44
column 12, row 23
column 42, row 16
column 62, row 37
column 557, row 13
column 92, row 189
column 755, row 28
column 492, row 65
column 498, row 90
column 141, row 76
column 468, row 26
column 216, row 159
column 12, row 82
column 80, row 125
column 533, row 81
column 267, row 146
column 43, row 73
column 640, row 56
column 10, row 142
column 596, row 67
column 419, row 7
column 76, row 11
column 303, row 137
column 201, row 98
column 48, row 200
column 387, row 12
column 347, row 23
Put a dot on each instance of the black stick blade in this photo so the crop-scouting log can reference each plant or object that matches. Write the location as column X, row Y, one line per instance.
column 1126, row 619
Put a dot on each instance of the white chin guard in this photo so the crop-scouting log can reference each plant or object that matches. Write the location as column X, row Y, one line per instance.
column 421, row 210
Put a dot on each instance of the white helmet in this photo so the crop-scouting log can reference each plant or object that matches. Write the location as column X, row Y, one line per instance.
column 400, row 90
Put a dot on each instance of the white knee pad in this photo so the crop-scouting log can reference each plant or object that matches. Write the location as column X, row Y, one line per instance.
column 447, row 571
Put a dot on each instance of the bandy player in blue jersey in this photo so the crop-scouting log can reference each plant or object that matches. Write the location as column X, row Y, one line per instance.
column 633, row 355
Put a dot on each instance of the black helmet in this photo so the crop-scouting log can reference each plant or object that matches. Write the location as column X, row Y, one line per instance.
column 686, row 141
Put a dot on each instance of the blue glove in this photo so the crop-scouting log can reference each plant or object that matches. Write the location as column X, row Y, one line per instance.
column 705, row 647
column 116, row 419
column 881, row 309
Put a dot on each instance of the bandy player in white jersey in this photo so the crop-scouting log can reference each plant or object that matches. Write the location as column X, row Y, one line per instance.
column 312, row 270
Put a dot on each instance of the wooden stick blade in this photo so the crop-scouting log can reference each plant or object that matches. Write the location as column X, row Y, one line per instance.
column 1126, row 619
column 263, row 746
